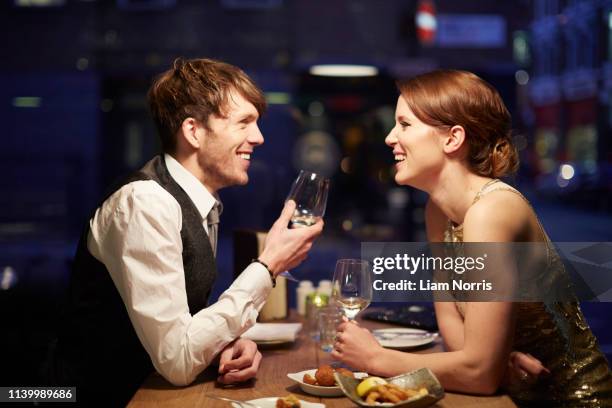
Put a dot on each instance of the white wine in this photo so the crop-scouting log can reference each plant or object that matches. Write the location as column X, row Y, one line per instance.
column 352, row 305
column 303, row 220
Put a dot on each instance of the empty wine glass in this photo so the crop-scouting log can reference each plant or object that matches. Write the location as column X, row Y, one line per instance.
column 309, row 191
column 352, row 286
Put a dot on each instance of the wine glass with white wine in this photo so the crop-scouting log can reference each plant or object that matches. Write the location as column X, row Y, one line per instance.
column 309, row 191
column 352, row 286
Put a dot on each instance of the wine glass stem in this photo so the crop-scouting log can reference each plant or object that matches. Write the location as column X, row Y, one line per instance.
column 287, row 275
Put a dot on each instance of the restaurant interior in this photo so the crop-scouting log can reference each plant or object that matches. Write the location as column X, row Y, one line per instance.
column 75, row 73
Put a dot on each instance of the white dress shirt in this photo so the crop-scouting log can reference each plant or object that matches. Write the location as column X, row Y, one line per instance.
column 136, row 234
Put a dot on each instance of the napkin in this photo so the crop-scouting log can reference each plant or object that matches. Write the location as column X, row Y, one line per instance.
column 273, row 331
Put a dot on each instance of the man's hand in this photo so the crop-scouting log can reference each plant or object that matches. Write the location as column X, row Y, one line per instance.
column 523, row 369
column 238, row 362
column 285, row 248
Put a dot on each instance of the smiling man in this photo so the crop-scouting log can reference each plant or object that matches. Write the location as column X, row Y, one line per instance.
column 145, row 264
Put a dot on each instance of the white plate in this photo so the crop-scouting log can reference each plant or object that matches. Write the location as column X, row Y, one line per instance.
column 273, row 333
column 271, row 403
column 318, row 390
column 403, row 337
column 272, row 342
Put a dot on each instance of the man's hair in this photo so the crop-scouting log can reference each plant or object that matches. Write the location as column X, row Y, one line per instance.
column 197, row 88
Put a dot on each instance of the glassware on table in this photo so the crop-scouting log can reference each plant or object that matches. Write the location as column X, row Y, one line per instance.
column 314, row 303
column 309, row 191
column 352, row 286
column 329, row 319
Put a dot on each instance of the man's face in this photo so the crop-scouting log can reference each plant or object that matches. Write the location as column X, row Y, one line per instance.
column 226, row 151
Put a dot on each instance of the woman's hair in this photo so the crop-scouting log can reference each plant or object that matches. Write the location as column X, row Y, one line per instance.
column 197, row 88
column 446, row 98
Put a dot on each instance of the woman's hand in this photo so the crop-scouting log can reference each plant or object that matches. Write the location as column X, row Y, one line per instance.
column 356, row 346
column 523, row 369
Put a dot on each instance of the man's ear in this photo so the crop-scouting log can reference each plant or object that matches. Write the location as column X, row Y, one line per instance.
column 189, row 132
column 455, row 138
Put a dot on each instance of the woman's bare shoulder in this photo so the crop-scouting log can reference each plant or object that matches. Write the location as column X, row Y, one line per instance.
column 498, row 216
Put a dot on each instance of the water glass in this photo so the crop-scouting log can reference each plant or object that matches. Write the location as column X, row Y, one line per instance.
column 329, row 319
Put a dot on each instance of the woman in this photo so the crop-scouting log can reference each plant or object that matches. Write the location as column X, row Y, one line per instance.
column 452, row 139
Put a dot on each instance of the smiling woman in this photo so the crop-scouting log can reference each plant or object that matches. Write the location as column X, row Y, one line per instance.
column 452, row 140
column 457, row 102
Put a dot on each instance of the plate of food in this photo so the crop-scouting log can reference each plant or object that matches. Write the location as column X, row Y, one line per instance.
column 321, row 381
column 403, row 337
column 289, row 401
column 416, row 389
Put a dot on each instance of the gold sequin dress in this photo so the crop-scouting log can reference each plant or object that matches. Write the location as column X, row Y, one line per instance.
column 557, row 335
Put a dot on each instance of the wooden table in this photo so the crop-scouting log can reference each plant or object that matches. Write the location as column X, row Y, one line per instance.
column 272, row 381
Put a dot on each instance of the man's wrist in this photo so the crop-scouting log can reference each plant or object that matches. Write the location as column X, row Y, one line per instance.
column 265, row 265
column 270, row 263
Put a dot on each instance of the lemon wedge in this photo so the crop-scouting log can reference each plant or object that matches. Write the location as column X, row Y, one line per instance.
column 366, row 385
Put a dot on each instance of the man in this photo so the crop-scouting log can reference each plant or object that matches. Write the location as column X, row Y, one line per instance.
column 146, row 263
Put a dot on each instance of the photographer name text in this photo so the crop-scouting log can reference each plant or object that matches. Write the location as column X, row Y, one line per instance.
column 426, row 284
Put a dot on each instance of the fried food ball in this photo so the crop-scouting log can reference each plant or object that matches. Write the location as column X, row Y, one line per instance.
column 309, row 379
column 345, row 372
column 325, row 376
column 289, row 401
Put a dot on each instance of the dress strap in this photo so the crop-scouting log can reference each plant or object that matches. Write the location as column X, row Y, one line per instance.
column 454, row 233
column 483, row 190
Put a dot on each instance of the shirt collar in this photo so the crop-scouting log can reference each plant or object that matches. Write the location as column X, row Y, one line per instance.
column 201, row 197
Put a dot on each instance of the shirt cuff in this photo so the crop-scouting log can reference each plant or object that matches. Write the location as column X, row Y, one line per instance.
column 257, row 279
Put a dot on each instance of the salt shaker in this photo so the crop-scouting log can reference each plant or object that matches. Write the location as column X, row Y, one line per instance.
column 304, row 289
column 325, row 287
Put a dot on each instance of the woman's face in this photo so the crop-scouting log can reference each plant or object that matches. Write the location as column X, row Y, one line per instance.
column 417, row 147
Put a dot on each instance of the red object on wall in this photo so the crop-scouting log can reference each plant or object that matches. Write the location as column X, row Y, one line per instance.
column 582, row 112
column 548, row 116
column 426, row 22
column 345, row 103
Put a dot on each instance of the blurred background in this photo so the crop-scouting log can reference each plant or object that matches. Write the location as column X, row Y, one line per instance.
column 73, row 81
